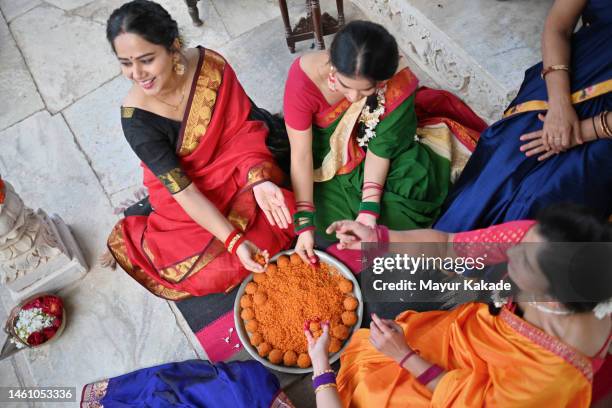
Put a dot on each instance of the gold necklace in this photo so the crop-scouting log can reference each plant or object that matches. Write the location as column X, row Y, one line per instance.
column 175, row 107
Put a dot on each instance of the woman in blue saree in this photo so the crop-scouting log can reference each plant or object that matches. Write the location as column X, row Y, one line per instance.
column 192, row 383
column 533, row 156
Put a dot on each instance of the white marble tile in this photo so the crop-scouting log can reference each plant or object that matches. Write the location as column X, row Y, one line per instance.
column 241, row 16
column 14, row 8
column 16, row 83
column 114, row 326
column 212, row 34
column 48, row 171
column 68, row 4
column 101, row 138
column 67, row 54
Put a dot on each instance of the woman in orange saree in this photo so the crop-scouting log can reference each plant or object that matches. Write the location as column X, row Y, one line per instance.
column 212, row 181
column 531, row 354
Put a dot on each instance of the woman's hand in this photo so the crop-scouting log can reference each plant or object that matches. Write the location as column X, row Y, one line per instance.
column 388, row 338
column 318, row 349
column 561, row 126
column 246, row 252
column 352, row 233
column 536, row 143
column 305, row 247
column 366, row 219
column 270, row 199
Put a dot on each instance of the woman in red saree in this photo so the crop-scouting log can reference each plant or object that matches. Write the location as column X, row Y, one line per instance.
column 210, row 177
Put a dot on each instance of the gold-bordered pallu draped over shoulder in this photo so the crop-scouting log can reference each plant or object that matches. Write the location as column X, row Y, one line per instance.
column 582, row 95
column 93, row 393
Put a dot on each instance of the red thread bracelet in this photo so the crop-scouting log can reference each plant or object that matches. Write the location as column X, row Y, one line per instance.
column 406, row 357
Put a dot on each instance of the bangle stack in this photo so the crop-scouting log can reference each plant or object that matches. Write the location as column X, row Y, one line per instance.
column 327, row 379
column 552, row 68
column 603, row 121
column 233, row 241
column 303, row 219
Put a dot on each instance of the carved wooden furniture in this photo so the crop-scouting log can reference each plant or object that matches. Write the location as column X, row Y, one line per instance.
column 314, row 25
column 192, row 7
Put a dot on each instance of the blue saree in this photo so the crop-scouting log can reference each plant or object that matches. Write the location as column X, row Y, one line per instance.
column 499, row 183
column 192, row 383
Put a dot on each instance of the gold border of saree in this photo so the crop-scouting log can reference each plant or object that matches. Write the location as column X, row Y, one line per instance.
column 582, row 95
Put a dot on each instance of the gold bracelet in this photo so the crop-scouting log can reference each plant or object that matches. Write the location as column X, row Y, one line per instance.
column 604, row 124
column 314, row 375
column 552, row 68
column 325, row 386
column 230, row 247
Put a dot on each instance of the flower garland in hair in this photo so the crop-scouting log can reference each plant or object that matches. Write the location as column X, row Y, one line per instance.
column 370, row 118
column 603, row 309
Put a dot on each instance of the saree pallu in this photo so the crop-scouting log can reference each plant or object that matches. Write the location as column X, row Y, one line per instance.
column 419, row 173
column 492, row 361
column 499, row 183
column 193, row 383
column 225, row 156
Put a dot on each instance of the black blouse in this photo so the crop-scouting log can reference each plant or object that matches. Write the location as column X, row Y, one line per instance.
column 154, row 139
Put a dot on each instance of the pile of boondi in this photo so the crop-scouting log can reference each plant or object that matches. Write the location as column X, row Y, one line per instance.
column 290, row 293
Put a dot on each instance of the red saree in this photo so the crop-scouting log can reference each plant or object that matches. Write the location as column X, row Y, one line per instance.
column 225, row 155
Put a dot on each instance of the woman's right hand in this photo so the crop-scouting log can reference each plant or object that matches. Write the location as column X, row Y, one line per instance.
column 305, row 247
column 246, row 252
column 318, row 349
column 352, row 233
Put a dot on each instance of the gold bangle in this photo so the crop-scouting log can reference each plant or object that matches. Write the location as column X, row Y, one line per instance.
column 325, row 386
column 552, row 68
column 230, row 247
column 604, row 124
column 314, row 375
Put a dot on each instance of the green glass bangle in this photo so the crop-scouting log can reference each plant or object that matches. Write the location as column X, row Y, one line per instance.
column 303, row 214
column 371, row 206
column 300, row 227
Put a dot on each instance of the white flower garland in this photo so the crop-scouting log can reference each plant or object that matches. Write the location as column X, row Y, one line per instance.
column 371, row 118
column 31, row 321
column 603, row 309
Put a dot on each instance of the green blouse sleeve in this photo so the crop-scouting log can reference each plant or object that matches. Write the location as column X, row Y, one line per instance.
column 395, row 133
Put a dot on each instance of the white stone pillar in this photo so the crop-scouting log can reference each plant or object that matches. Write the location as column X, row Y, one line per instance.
column 37, row 253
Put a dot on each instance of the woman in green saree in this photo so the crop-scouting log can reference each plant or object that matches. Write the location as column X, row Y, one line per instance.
column 350, row 116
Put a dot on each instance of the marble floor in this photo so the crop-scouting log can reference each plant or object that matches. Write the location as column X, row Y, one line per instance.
column 63, row 150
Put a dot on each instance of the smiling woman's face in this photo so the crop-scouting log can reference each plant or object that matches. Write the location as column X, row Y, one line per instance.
column 148, row 65
column 523, row 267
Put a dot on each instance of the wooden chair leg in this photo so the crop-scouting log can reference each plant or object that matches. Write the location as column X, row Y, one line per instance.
column 287, row 23
column 340, row 8
column 192, row 7
column 316, row 23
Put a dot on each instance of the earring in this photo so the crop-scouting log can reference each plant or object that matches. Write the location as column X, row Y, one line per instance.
column 178, row 66
column 331, row 80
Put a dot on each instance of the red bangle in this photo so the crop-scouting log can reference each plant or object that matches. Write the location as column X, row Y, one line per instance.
column 229, row 238
column 237, row 244
column 429, row 374
column 376, row 215
column 406, row 357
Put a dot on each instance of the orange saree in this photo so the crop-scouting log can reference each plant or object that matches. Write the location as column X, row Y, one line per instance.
column 490, row 361
column 225, row 155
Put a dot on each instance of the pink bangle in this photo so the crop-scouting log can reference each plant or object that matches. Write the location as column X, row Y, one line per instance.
column 429, row 374
column 406, row 357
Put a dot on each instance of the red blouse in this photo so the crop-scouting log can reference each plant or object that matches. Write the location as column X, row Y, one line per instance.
column 302, row 100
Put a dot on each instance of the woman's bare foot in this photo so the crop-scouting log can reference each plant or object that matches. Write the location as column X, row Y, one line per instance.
column 107, row 260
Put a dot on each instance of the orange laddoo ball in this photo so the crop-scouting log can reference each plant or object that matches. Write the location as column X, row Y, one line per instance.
column 275, row 356
column 295, row 259
column 290, row 358
column 260, row 298
column 283, row 261
column 349, row 318
column 247, row 313
column 303, row 361
column 256, row 339
column 259, row 258
column 334, row 345
column 350, row 303
column 251, row 288
column 271, row 269
column 246, row 301
column 314, row 326
column 251, row 326
column 317, row 334
column 259, row 277
column 264, row 349
column 345, row 286
column 340, row 332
